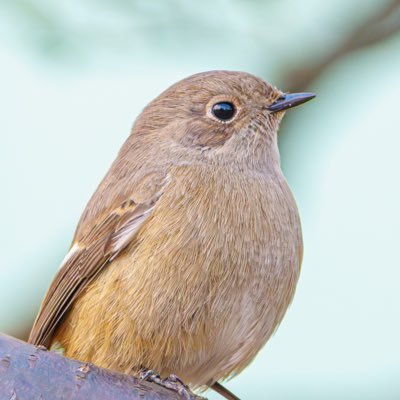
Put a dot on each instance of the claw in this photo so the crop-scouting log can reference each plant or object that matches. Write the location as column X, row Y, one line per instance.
column 148, row 375
column 172, row 382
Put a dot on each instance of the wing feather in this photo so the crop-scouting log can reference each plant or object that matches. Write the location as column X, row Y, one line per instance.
column 103, row 243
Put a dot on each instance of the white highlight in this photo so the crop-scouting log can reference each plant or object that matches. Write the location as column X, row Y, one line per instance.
column 74, row 249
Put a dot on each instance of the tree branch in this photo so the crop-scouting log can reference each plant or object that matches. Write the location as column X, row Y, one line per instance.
column 28, row 372
column 373, row 30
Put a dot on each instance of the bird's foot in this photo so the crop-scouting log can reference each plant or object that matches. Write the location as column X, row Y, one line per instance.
column 172, row 383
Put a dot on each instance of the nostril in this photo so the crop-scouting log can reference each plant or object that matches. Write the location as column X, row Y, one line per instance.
column 280, row 98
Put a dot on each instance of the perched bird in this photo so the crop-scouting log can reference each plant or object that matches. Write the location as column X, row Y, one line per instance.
column 188, row 254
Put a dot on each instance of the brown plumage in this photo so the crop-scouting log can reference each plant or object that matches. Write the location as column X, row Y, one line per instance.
column 187, row 255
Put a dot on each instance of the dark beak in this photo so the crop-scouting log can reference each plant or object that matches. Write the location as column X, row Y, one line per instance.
column 289, row 100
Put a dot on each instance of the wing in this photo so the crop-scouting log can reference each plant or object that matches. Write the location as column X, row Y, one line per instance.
column 99, row 246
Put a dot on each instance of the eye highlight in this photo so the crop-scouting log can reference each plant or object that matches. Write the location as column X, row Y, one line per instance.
column 223, row 110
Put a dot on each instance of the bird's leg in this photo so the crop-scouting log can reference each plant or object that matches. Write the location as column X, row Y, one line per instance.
column 171, row 382
column 223, row 391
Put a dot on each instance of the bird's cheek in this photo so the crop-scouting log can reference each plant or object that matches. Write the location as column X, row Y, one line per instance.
column 210, row 136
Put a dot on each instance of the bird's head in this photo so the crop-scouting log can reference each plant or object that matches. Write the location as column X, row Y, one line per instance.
column 218, row 116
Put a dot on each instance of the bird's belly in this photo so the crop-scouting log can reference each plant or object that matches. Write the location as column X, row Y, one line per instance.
column 199, row 325
column 242, row 323
column 202, row 294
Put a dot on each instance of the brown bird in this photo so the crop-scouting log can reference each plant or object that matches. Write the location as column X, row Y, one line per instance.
column 188, row 253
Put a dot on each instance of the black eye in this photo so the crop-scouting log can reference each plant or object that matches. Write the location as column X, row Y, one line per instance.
column 223, row 110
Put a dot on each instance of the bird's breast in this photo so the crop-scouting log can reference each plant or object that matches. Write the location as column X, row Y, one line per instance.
column 204, row 284
column 228, row 249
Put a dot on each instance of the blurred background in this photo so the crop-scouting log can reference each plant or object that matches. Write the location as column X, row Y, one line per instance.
column 74, row 75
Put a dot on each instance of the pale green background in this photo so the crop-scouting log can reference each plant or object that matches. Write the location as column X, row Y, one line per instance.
column 75, row 74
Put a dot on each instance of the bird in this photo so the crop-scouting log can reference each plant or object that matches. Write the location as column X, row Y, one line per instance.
column 187, row 255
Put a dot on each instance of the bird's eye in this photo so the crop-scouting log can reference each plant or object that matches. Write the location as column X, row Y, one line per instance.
column 224, row 110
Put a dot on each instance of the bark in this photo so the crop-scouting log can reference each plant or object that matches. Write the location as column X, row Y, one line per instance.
column 28, row 372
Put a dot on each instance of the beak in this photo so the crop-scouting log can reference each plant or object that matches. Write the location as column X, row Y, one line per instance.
column 289, row 100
